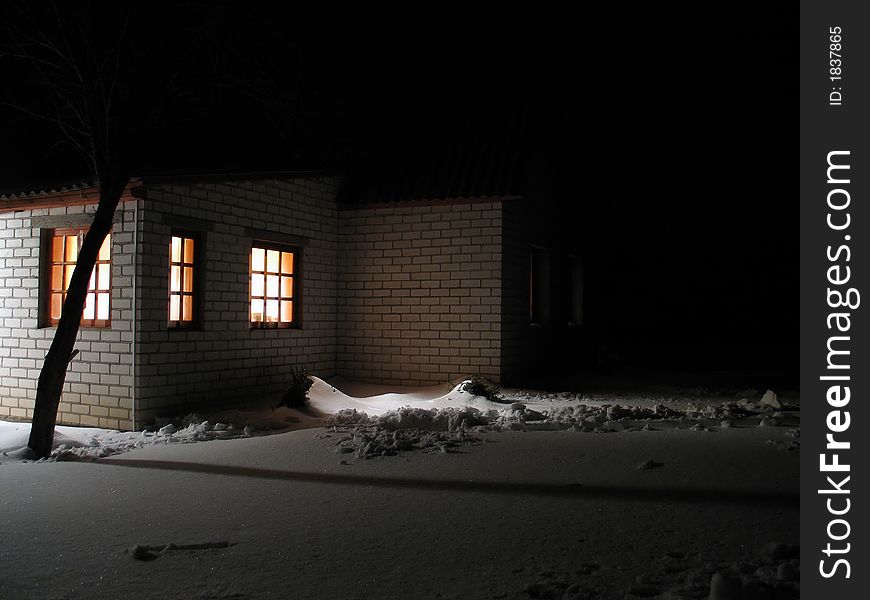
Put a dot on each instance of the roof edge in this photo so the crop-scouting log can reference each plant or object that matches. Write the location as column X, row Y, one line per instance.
column 65, row 196
column 87, row 191
column 237, row 176
column 429, row 202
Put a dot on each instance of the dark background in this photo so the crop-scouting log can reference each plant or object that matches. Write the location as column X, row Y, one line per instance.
column 668, row 137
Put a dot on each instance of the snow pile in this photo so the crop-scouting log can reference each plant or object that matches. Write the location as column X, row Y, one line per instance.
column 768, row 401
column 406, row 429
column 441, row 429
column 444, row 419
column 327, row 399
column 77, row 443
column 419, row 419
column 364, row 444
column 441, row 423
column 532, row 410
column 724, row 411
column 349, row 416
column 582, row 417
column 520, row 417
column 514, row 417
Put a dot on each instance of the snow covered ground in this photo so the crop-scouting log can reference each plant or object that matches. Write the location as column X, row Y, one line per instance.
column 429, row 494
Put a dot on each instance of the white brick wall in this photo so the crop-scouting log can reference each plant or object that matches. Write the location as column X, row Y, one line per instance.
column 419, row 293
column 226, row 359
column 99, row 382
column 405, row 294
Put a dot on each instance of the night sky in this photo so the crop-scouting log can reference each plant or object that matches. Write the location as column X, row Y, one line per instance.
column 670, row 139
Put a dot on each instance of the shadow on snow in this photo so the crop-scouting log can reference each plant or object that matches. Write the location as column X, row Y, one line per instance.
column 578, row 490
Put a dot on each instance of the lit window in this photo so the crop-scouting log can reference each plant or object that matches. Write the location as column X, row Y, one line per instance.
column 181, row 281
column 273, row 287
column 63, row 252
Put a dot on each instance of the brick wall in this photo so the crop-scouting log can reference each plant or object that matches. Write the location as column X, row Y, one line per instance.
column 225, row 359
column 419, row 293
column 98, row 385
column 411, row 294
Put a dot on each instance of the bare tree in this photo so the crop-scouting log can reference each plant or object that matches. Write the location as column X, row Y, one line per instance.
column 103, row 73
column 80, row 80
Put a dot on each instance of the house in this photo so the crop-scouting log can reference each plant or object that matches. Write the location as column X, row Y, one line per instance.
column 211, row 288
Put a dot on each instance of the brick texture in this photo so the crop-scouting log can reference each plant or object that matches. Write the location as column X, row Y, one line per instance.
column 410, row 294
column 98, row 388
column 225, row 359
column 419, row 293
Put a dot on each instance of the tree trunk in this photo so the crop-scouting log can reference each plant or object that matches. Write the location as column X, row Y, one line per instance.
column 53, row 373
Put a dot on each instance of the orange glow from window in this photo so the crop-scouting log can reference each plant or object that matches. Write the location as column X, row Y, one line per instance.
column 181, row 280
column 272, row 286
column 64, row 252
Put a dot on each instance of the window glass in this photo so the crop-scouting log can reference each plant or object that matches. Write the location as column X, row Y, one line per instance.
column 182, row 285
column 63, row 254
column 273, row 287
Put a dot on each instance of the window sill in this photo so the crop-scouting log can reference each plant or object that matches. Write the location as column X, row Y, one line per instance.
column 54, row 326
column 185, row 328
column 272, row 327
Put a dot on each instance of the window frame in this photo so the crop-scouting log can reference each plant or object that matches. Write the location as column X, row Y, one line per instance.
column 540, row 269
column 196, row 293
column 48, row 263
column 576, row 291
column 296, row 275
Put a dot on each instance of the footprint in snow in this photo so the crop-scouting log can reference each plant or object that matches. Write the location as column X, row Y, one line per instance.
column 649, row 464
column 147, row 553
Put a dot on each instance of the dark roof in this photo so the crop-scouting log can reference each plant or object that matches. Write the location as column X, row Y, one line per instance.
column 480, row 150
column 482, row 153
column 35, row 190
column 46, row 189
